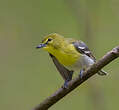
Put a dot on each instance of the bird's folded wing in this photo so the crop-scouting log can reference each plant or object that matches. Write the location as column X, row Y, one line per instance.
column 62, row 70
column 82, row 48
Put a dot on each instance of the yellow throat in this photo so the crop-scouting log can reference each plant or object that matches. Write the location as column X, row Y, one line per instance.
column 66, row 55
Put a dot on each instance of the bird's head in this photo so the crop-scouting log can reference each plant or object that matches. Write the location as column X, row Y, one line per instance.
column 51, row 42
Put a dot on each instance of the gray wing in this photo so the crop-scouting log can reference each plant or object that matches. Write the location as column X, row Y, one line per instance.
column 83, row 49
column 65, row 73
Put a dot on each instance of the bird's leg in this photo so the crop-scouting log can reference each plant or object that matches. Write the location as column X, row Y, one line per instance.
column 81, row 73
column 67, row 80
column 66, row 84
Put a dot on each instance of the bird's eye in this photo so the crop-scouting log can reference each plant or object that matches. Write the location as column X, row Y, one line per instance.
column 49, row 39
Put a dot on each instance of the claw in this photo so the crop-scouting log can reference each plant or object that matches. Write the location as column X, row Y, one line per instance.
column 81, row 73
column 65, row 86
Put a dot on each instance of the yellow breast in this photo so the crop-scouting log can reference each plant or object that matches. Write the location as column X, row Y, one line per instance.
column 65, row 55
column 66, row 59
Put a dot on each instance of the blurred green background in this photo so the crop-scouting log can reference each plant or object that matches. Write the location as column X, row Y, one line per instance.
column 27, row 75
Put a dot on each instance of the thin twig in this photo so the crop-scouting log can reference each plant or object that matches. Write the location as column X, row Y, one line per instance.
column 59, row 94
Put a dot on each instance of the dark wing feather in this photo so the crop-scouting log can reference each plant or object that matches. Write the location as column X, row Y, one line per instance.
column 65, row 73
column 83, row 49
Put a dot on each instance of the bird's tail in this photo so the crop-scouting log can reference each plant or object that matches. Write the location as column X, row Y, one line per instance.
column 102, row 73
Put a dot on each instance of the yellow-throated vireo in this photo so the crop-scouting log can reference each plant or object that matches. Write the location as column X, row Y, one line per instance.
column 69, row 55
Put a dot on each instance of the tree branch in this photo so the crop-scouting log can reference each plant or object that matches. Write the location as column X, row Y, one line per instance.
column 59, row 94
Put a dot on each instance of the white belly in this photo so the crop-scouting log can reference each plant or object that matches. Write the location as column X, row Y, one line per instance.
column 83, row 62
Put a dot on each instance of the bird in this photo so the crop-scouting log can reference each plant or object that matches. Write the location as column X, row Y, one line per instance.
column 69, row 55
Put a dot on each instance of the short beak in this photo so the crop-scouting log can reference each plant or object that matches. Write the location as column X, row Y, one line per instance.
column 41, row 46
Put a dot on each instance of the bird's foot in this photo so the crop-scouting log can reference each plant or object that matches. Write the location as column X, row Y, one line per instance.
column 65, row 86
column 81, row 73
